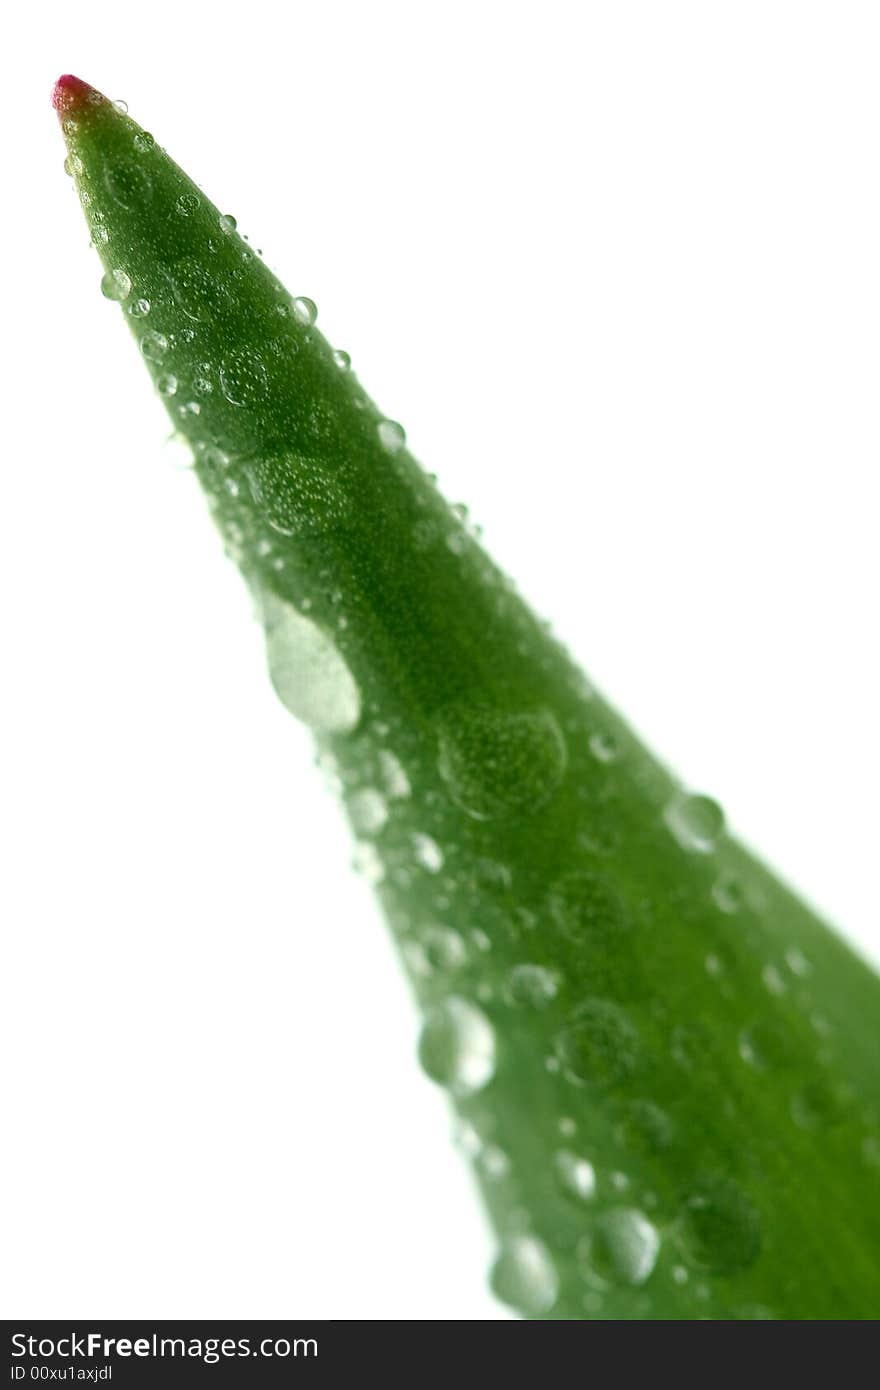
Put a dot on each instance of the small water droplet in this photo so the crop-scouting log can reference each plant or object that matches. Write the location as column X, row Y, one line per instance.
column 773, row 980
column 392, row 436
column 341, row 359
column 443, row 948
column 576, row 1174
column 115, row 285
column 598, row 1044
column 73, row 165
column 604, row 747
column 797, row 962
column 766, row 1044
column 227, row 223
column 143, row 142
column 167, row 384
column 121, row 106
column 534, row 985
column 140, row 308
column 457, row 1046
column 305, row 311
column 308, row 672
column 622, row 1248
column 697, row 822
column 394, row 778
column 494, row 1163
column 154, row 345
column 524, row 1276
column 589, row 911
column 718, row 1228
column 368, row 863
column 368, row 811
column 187, row 204
column 428, row 853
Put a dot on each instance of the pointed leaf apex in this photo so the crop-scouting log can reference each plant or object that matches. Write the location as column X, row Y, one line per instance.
column 71, row 93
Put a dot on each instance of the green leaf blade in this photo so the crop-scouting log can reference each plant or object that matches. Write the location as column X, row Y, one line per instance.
column 665, row 1066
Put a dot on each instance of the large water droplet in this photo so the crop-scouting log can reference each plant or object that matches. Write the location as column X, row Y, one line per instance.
column 227, row 223
column 127, row 181
column 140, row 308
column 115, row 285
column 243, row 376
column 697, row 822
column 718, row 1228
column 598, row 1044
column 305, row 311
column 443, row 948
column 154, row 345
column 392, row 436
column 457, row 1046
column 341, row 359
column 187, row 204
column 498, row 763
column 622, row 1248
column 204, row 297
column 298, row 495
column 576, row 1174
column 308, row 672
column 524, row 1276
column 143, row 141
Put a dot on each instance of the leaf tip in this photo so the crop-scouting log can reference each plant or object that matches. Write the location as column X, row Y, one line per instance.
column 71, row 93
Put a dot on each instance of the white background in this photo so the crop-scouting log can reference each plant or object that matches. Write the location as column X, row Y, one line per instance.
column 615, row 266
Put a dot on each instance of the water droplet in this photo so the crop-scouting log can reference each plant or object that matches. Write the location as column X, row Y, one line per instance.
column 443, row 948
column 696, row 822
column 773, row 980
column 622, row 1248
column 305, row 311
column 767, row 1044
column 498, row 763
column 167, row 384
column 100, row 235
column 115, row 285
column 819, row 1105
column 589, row 911
column 368, row 811
column 143, row 142
column 457, row 1046
column 140, row 308
column 394, row 778
column 227, row 223
column 121, row 106
column 797, row 962
column 154, row 345
column 645, row 1128
column 187, row 204
column 309, row 675
column 127, row 181
column 494, row 1163
column 577, row 1176
column 73, row 165
column 428, row 853
column 524, row 1276
column 202, row 295
column 604, row 747
column 534, row 985
column 367, row 862
column 243, row 376
column 341, row 359
column 598, row 1044
column 718, row 1228
column 298, row 495
column 392, row 436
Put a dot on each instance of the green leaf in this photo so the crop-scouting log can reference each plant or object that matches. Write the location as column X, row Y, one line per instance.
column 665, row 1066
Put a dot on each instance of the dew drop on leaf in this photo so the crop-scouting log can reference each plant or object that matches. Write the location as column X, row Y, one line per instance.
column 498, row 762
column 392, row 436
column 115, row 285
column 308, row 672
column 524, row 1275
column 621, row 1248
column 697, row 822
column 457, row 1046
